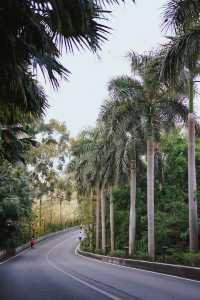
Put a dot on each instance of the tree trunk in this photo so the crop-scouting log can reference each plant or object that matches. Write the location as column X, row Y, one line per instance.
column 103, row 219
column 92, row 220
column 51, row 209
column 132, row 214
column 40, row 214
column 98, row 205
column 112, row 229
column 61, row 212
column 150, row 198
column 192, row 186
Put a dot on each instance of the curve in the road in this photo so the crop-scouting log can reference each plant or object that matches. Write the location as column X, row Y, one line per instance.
column 52, row 271
column 78, row 279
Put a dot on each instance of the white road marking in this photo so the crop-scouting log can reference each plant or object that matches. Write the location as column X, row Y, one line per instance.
column 27, row 249
column 107, row 294
column 132, row 268
column 12, row 257
column 18, row 254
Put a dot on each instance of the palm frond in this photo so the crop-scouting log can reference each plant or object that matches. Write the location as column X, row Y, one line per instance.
column 138, row 61
column 21, row 102
column 124, row 87
column 183, row 51
column 180, row 13
column 172, row 110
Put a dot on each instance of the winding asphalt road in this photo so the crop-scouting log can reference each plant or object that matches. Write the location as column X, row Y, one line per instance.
column 52, row 271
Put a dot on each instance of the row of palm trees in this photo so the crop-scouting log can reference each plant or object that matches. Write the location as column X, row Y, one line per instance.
column 139, row 109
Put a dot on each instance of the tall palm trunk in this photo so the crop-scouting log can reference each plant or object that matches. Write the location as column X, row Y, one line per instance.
column 98, row 205
column 92, row 220
column 192, row 188
column 192, row 185
column 103, row 219
column 132, row 214
column 112, row 228
column 51, row 209
column 150, row 198
column 40, row 213
column 61, row 212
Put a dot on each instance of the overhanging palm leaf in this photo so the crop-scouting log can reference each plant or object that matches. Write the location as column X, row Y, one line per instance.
column 179, row 13
column 39, row 29
column 34, row 33
column 21, row 102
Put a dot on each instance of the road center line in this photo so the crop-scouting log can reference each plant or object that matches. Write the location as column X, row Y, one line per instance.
column 107, row 294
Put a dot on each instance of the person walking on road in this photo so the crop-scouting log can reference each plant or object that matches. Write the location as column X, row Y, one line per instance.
column 81, row 235
column 32, row 242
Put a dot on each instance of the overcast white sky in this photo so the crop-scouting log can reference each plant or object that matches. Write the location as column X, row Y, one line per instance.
column 77, row 101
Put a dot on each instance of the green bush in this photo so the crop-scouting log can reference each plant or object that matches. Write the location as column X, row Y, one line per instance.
column 85, row 245
column 99, row 251
column 184, row 258
column 121, row 202
column 118, row 253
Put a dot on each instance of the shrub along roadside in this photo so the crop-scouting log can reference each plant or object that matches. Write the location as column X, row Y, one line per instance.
column 176, row 258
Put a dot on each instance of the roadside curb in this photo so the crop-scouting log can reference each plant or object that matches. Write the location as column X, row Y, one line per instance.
column 186, row 272
column 23, row 247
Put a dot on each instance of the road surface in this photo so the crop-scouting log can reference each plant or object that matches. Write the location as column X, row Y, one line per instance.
column 52, row 271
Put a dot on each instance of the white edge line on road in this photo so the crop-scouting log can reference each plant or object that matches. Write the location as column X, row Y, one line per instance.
column 132, row 268
column 12, row 257
column 107, row 294
column 21, row 252
column 29, row 248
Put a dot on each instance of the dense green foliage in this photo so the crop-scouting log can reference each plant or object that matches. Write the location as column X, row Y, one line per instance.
column 35, row 193
column 171, row 205
column 139, row 143
column 150, row 120
column 34, row 35
column 51, row 187
column 171, row 208
column 15, row 204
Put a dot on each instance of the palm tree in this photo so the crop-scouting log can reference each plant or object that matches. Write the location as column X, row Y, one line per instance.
column 85, row 164
column 98, row 208
column 119, row 113
column 156, row 111
column 112, row 222
column 181, row 57
column 107, row 173
column 96, row 156
column 110, row 170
